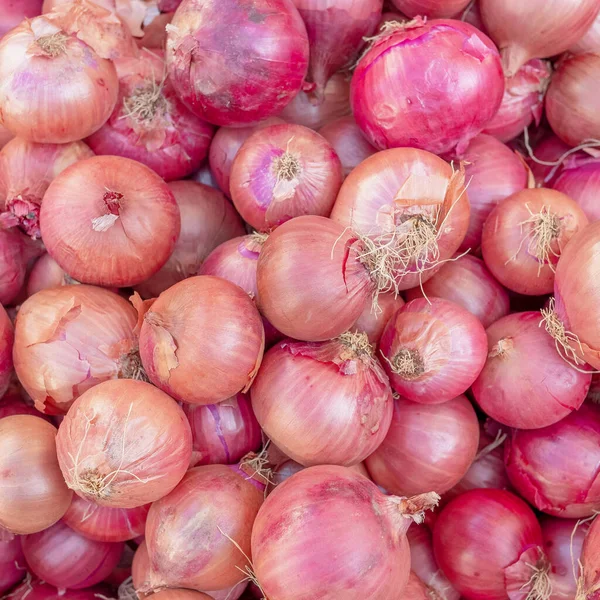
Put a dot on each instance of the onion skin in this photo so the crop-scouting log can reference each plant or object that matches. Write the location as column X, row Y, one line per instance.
column 554, row 468
column 478, row 562
column 428, row 447
column 63, row 558
column 434, row 9
column 466, row 281
column 69, row 339
column 137, row 219
column 338, row 404
column 297, row 303
column 267, row 192
column 140, row 569
column 580, row 180
column 202, row 341
column 33, row 491
column 373, row 322
column 80, row 100
column 7, row 338
column 207, row 220
column 12, row 564
column 510, row 245
column 185, row 546
column 441, row 108
column 547, row 388
column 236, row 80
column 140, row 437
column 515, row 26
column 571, row 103
column 223, row 433
column 444, row 346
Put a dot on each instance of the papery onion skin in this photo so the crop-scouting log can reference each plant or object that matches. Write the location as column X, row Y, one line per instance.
column 64, row 558
column 197, row 551
column 242, row 79
column 525, row 383
column 127, row 210
column 7, row 338
column 494, row 173
column 443, row 106
column 207, row 220
column 428, row 447
column 373, row 321
column 433, row 350
column 338, row 405
column 524, row 235
column 150, row 124
column 580, row 180
column 554, row 468
column 69, row 339
column 349, row 143
column 46, row 273
column 103, row 524
column 34, row 494
column 69, row 93
column 590, row 564
column 466, row 281
column 14, row 11
column 202, row 341
column 478, row 562
column 284, row 171
column 39, row 590
column 434, row 9
column 571, row 101
column 12, row 564
column 223, row 433
column 141, row 441
column 297, row 303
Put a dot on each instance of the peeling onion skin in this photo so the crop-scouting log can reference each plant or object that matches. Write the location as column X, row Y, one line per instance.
column 242, row 79
column 433, row 350
column 127, row 211
column 434, row 9
column 373, row 322
column 547, row 388
column 145, row 454
column 33, row 491
column 7, row 338
column 555, row 468
column 68, row 339
column 401, row 99
column 580, row 180
column 202, row 341
column 12, row 564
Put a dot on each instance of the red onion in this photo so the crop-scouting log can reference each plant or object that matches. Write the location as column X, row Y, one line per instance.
column 15, row 252
column 239, row 79
column 373, row 321
column 33, row 494
column 589, row 579
column 7, row 338
column 428, row 447
column 14, row 11
column 516, row 27
column 571, row 102
column 127, row 211
column 547, row 161
column 467, row 282
column 150, row 124
column 338, row 402
column 478, row 561
column 427, row 84
column 223, row 433
column 336, row 29
column 199, row 535
column 412, row 205
column 69, row 339
column 202, row 341
column 284, row 471
column 137, row 450
column 525, row 383
column 433, row 350
column 155, row 32
column 104, row 524
column 39, row 590
column 434, row 9
column 16, row 402
column 64, row 558
column 308, row 110
column 347, row 140
column 45, row 274
column 334, row 526
column 207, row 220
column 494, row 172
column 284, row 171
column 12, row 564
column 140, row 569
column 590, row 42
column 523, row 238
column 580, row 180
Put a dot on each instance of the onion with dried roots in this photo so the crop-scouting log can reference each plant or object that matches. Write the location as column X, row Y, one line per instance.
column 124, row 444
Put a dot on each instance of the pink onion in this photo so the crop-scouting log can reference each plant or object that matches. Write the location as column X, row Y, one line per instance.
column 13, row 403
column 433, row 350
column 39, row 590
column 547, row 160
column 155, row 32
column 555, row 468
column 7, row 338
column 372, row 321
column 12, row 564
column 223, row 433
column 401, row 98
column 241, row 79
column 338, row 402
column 590, row 42
column 15, row 252
column 46, row 273
column 14, row 11
column 434, row 9
column 587, row 584
column 516, row 27
column 580, row 180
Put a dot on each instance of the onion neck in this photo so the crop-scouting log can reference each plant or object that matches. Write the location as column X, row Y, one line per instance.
column 146, row 102
column 53, row 45
column 23, row 211
column 113, row 204
column 501, row 348
column 513, row 58
column 408, row 364
column 355, row 346
column 405, row 511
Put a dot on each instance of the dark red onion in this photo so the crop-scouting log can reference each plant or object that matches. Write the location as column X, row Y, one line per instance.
column 580, row 180
column 13, row 567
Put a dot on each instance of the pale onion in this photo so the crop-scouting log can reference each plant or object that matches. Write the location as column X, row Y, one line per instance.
column 580, row 180
column 434, row 9
column 372, row 321
column 7, row 338
column 124, row 444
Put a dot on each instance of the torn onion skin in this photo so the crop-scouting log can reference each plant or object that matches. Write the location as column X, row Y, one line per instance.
column 555, row 468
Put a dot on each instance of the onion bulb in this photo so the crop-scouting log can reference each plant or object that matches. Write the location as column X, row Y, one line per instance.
column 14, row 11
column 39, row 590
column 46, row 273
column 7, row 338
column 589, row 579
column 372, row 321
column 590, row 42
column 12, row 564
